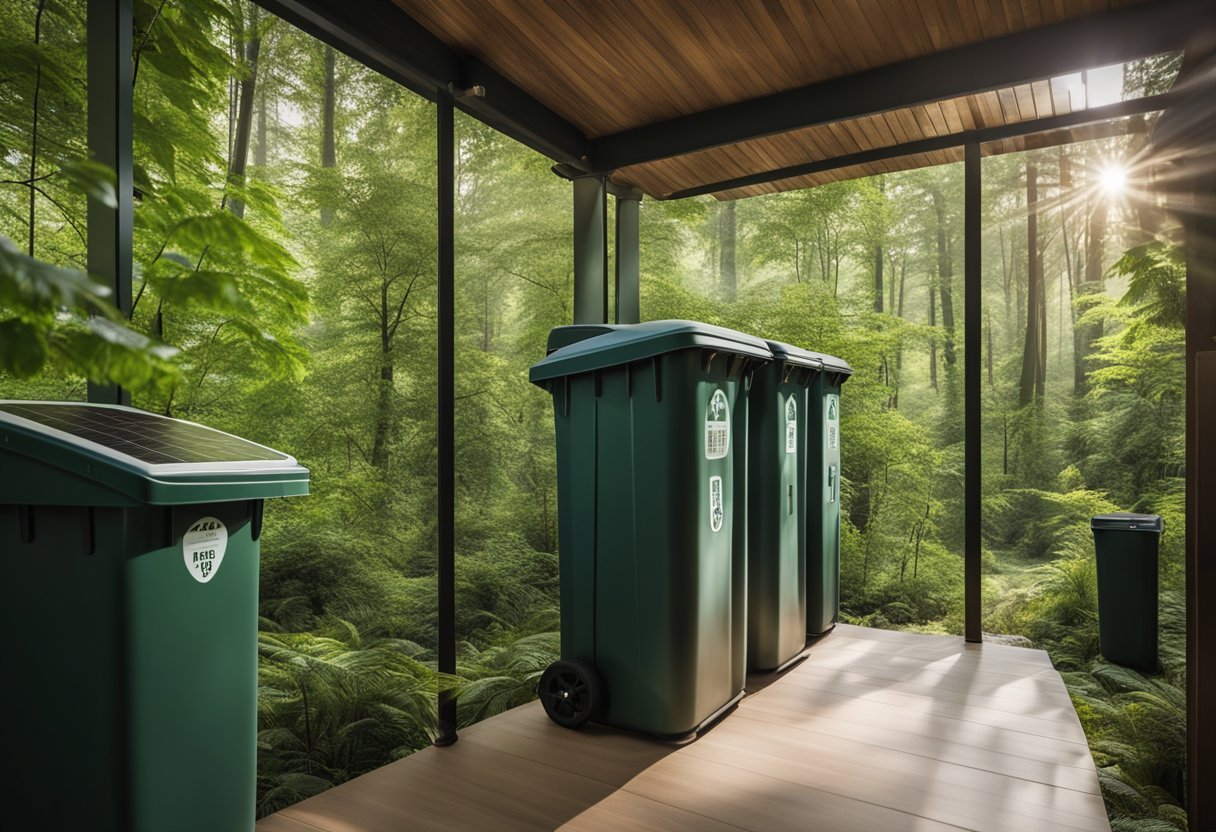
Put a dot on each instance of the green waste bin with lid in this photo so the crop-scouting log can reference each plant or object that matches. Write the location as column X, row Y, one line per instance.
column 823, row 496
column 653, row 574
column 1126, row 549
column 130, row 544
column 777, row 511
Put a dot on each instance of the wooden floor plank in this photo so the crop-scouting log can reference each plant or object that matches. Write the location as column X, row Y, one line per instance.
column 945, row 791
column 1072, row 770
column 874, row 730
column 1036, row 704
column 625, row 810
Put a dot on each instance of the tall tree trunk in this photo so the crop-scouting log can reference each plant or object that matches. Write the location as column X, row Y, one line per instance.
column 988, row 352
column 259, row 156
column 1031, row 382
column 1019, row 286
column 329, row 154
column 384, row 400
column 932, row 338
column 1091, row 284
column 878, row 282
column 1006, row 280
column 33, row 183
column 945, row 277
column 244, row 119
column 728, row 230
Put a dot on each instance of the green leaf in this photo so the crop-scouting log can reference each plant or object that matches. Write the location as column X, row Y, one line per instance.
column 93, row 179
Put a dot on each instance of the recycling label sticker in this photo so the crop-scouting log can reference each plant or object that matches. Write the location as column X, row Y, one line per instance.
column 717, row 426
column 203, row 548
column 715, row 503
column 832, row 405
column 791, row 426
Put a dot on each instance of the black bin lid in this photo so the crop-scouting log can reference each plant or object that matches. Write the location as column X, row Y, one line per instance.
column 1129, row 522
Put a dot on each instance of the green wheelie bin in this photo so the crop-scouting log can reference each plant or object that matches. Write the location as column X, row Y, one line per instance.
column 1126, row 549
column 823, row 497
column 653, row 574
column 130, row 545
column 777, row 530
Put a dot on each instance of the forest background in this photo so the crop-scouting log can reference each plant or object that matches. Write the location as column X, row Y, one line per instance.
column 285, row 261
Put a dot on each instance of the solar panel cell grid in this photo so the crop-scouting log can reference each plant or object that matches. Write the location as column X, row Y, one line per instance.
column 147, row 437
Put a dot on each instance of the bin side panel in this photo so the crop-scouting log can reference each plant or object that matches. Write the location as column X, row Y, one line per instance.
column 193, row 677
column 823, row 506
column 776, row 559
column 66, row 756
column 621, row 559
column 575, row 424
column 708, row 560
column 740, row 539
column 1127, row 597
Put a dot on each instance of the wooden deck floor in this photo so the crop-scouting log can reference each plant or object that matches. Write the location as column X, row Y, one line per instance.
column 875, row 730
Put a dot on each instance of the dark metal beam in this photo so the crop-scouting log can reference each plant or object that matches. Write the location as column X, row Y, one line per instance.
column 1096, row 40
column 110, row 228
column 1137, row 106
column 382, row 36
column 972, row 324
column 445, row 142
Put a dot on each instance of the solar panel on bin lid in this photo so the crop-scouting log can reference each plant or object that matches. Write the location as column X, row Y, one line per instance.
column 147, row 437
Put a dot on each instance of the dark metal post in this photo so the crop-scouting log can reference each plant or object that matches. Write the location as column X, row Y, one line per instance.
column 972, row 542
column 109, row 30
column 447, row 415
column 1184, row 140
column 590, row 250
column 628, row 265
column 1199, row 226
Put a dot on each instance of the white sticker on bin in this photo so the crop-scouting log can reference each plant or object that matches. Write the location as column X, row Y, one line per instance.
column 715, row 504
column 832, row 403
column 791, row 426
column 717, row 426
column 203, row 548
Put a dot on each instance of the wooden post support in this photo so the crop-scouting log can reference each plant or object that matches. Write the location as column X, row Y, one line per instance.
column 109, row 32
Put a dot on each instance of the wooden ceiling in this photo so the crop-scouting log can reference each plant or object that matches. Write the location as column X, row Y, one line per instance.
column 611, row 65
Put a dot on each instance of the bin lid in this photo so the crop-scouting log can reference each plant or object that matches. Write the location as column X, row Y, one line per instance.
column 564, row 336
column 1129, row 522
column 634, row 342
column 790, row 354
column 151, row 458
column 832, row 364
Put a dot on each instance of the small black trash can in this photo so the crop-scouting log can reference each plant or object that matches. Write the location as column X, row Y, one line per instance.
column 1126, row 546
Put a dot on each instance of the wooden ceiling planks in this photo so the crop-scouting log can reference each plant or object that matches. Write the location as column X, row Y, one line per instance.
column 611, row 66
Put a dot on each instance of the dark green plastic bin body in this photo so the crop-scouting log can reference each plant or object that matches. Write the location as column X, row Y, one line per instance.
column 777, row 516
column 653, row 584
column 823, row 497
column 136, row 683
column 1126, row 548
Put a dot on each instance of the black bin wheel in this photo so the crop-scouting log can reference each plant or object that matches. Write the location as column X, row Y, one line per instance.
column 571, row 692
